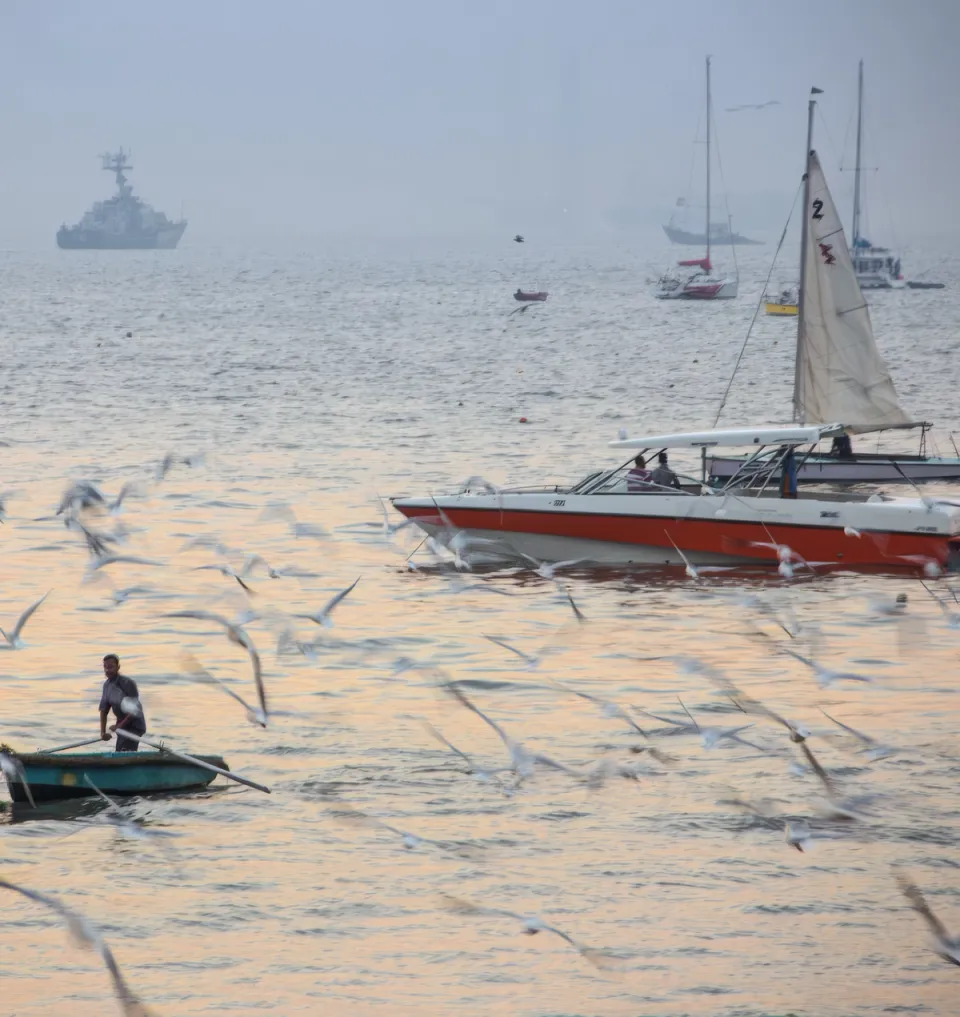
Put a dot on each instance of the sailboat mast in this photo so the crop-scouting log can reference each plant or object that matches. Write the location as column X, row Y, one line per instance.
column 856, row 168
column 708, row 160
column 798, row 400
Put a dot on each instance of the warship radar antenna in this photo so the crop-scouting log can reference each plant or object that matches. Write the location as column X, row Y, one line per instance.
column 116, row 162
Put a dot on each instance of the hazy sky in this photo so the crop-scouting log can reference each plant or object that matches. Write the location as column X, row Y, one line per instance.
column 423, row 118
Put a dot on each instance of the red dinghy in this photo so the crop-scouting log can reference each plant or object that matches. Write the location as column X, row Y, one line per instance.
column 522, row 295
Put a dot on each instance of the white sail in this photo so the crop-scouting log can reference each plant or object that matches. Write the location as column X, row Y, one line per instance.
column 841, row 377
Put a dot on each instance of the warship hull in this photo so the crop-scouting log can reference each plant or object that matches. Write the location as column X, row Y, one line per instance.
column 77, row 239
column 717, row 239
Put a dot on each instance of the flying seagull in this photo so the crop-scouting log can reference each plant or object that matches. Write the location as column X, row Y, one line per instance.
column 945, row 945
column 83, row 934
column 531, row 925
column 14, row 642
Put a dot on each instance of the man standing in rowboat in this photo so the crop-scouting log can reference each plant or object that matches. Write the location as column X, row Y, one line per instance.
column 121, row 695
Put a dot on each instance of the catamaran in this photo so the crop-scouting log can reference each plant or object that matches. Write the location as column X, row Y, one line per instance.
column 758, row 517
column 839, row 374
column 699, row 282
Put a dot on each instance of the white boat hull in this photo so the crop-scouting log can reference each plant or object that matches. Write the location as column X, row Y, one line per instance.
column 865, row 470
column 647, row 529
column 700, row 287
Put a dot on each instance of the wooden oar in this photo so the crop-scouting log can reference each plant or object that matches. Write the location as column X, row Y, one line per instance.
column 72, row 745
column 197, row 762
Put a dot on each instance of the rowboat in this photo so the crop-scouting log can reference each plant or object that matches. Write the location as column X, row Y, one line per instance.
column 757, row 517
column 56, row 776
column 529, row 295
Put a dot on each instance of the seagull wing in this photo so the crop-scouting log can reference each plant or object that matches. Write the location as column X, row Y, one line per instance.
column 523, row 656
column 859, row 735
column 825, row 777
column 440, row 738
column 464, row 700
column 257, row 674
column 332, row 603
column 12, row 768
column 25, row 617
column 577, row 613
column 919, row 904
column 111, row 804
column 201, row 674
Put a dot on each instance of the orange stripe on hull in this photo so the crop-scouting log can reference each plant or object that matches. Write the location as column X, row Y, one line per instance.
column 724, row 537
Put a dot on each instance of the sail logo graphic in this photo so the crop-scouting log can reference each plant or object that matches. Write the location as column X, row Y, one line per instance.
column 818, row 209
column 825, row 250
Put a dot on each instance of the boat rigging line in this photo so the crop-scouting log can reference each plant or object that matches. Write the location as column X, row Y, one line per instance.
column 756, row 311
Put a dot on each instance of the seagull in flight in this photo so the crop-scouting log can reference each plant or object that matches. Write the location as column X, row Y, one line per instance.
column 255, row 714
column 872, row 749
column 14, row 642
column 945, row 945
column 824, row 676
column 225, row 570
column 322, row 617
column 836, row 807
column 548, row 570
column 532, row 925
column 84, row 935
column 345, row 813
column 472, row 768
column 522, row 761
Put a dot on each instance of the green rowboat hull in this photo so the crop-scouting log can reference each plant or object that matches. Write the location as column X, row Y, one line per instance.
column 56, row 776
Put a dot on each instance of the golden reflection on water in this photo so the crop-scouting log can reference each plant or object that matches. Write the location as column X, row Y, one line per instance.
column 281, row 908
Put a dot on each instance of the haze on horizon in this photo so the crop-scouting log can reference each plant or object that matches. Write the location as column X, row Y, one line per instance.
column 449, row 119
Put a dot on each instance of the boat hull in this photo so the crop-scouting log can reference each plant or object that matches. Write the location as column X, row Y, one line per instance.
column 59, row 776
column 717, row 239
column 782, row 310
column 76, row 239
column 700, row 288
column 872, row 469
column 540, row 295
column 640, row 529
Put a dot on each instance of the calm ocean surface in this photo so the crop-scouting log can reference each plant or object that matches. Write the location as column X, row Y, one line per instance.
column 322, row 378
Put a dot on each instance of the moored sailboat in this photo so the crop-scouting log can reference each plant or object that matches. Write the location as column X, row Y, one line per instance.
column 839, row 373
column 699, row 281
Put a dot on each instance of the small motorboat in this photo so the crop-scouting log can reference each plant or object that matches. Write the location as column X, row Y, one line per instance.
column 54, row 776
column 757, row 517
column 784, row 304
column 540, row 295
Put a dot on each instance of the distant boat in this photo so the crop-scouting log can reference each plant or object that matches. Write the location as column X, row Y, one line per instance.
column 917, row 284
column 123, row 222
column 699, row 281
column 720, row 236
column 522, row 295
column 784, row 304
column 877, row 268
column 839, row 375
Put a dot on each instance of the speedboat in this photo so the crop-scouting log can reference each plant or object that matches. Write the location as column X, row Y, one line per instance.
column 757, row 517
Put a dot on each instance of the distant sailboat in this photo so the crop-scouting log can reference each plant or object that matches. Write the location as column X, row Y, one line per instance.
column 701, row 283
column 877, row 268
column 840, row 377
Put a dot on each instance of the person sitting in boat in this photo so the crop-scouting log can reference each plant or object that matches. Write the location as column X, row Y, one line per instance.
column 639, row 478
column 663, row 476
column 841, row 447
column 519, row 293
column 121, row 695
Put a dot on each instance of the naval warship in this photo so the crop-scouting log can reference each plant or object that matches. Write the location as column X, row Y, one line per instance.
column 122, row 222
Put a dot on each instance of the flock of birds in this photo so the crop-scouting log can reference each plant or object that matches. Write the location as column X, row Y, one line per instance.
column 95, row 518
